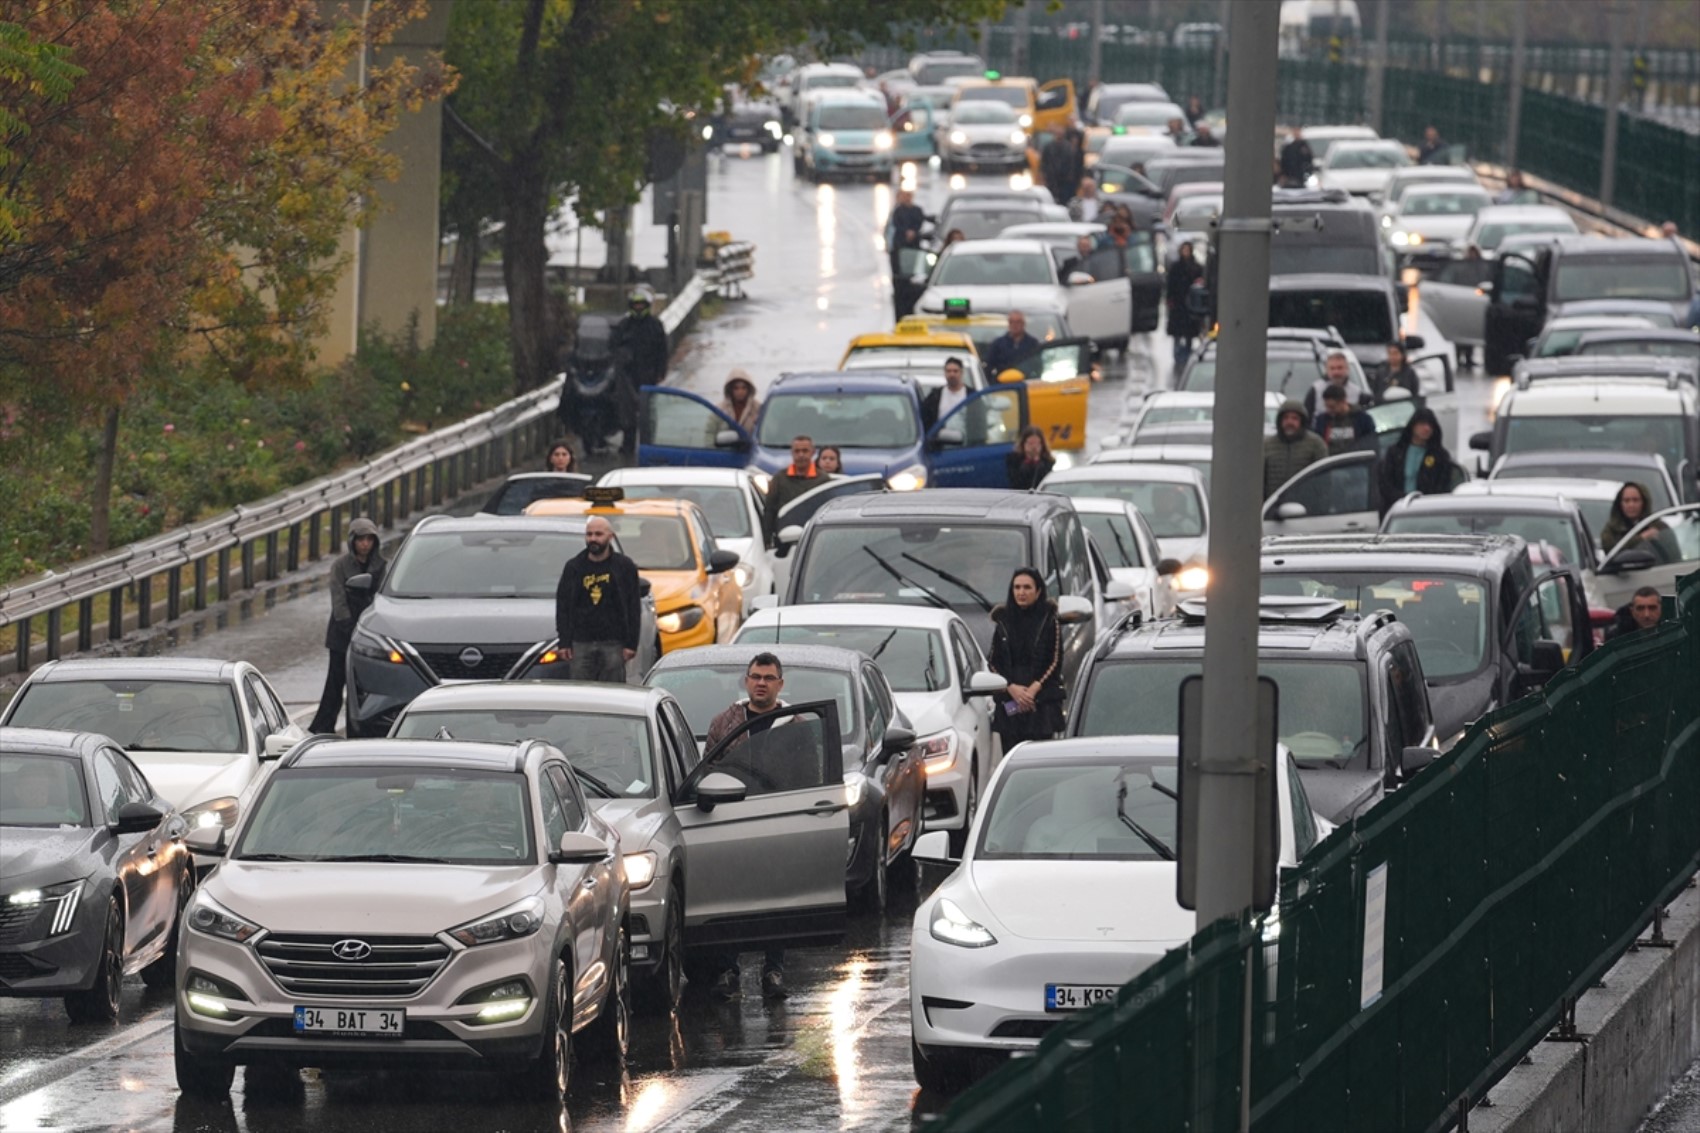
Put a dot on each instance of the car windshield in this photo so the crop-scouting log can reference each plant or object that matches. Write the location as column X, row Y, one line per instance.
column 1361, row 317
column 1447, row 616
column 489, row 563
column 1561, row 340
column 1286, row 374
column 1553, row 530
column 1653, row 348
column 1173, row 510
column 1009, row 96
column 611, row 751
column 983, row 220
column 138, row 715
column 1615, row 473
column 913, row 660
column 1402, row 183
column 520, row 493
column 925, row 365
column 654, row 542
column 431, row 815
column 847, row 420
column 1659, row 435
column 913, row 563
column 1429, row 203
column 1621, row 277
column 935, row 71
column 1121, row 811
column 983, row 113
column 705, row 691
column 1046, row 326
column 970, row 268
column 850, row 116
column 1115, row 538
column 1490, row 236
column 1132, row 152
column 42, row 790
column 831, row 80
column 724, row 507
column 1367, row 157
column 1323, row 718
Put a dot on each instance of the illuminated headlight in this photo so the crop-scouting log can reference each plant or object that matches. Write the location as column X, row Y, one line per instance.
column 953, row 926
column 213, row 812
column 1025, row 121
column 208, row 996
column 938, row 752
column 1387, row 222
column 1401, row 239
column 884, row 140
column 1017, row 138
column 854, row 783
column 1313, row 181
column 680, row 620
column 826, row 140
column 208, row 917
column 744, row 574
column 518, row 920
column 365, row 643
column 958, row 138
column 910, row 479
column 707, row 133
column 640, row 868
column 499, row 1004
column 59, row 902
column 1193, row 578
column 774, row 128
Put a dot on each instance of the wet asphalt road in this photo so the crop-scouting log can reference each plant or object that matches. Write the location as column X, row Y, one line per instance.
column 831, row 1057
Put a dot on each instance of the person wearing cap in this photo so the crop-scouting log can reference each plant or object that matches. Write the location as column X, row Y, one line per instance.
column 639, row 344
column 1342, row 427
column 740, row 402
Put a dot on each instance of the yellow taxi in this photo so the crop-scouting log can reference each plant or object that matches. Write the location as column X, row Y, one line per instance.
column 918, row 349
column 697, row 597
column 1057, row 387
column 1039, row 107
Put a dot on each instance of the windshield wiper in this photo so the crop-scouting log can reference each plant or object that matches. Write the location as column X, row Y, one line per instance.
column 384, row 858
column 596, row 784
column 273, row 858
column 884, row 641
column 1145, row 835
column 967, row 587
column 932, row 595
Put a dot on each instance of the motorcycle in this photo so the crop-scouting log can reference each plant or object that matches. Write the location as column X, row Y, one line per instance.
column 588, row 397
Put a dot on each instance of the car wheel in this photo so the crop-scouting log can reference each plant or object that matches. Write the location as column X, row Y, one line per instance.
column 872, row 896
column 99, row 1004
column 937, row 1070
column 548, row 1076
column 202, row 1078
column 660, row 992
column 959, row 838
column 605, row 1039
column 163, row 971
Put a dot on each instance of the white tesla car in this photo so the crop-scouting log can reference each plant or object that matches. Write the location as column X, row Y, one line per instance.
column 1066, row 893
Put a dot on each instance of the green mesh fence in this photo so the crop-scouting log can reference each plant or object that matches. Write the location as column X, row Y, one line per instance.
column 1516, row 869
column 1561, row 139
column 1658, row 173
column 1465, row 112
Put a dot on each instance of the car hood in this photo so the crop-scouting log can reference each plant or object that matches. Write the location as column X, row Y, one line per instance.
column 1357, row 180
column 857, row 461
column 988, row 131
column 635, row 820
column 187, row 779
column 375, row 897
column 1445, row 228
column 448, row 621
column 1186, row 548
column 929, row 712
column 1096, row 901
column 671, row 588
column 996, row 298
column 42, row 855
column 1338, row 795
column 1455, row 703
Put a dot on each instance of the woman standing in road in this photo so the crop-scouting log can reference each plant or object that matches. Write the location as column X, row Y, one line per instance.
column 740, row 402
column 1628, row 509
column 829, row 461
column 1030, row 461
column 561, row 458
column 1183, row 324
column 1027, row 653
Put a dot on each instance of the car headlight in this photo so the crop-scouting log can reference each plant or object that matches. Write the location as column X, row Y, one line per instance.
column 1017, row 138
column 59, row 901
column 520, row 919
column 208, row 917
column 640, row 868
column 958, row 138
column 910, row 479
column 1387, row 222
column 1025, row 121
column 854, row 782
column 953, row 926
column 707, row 133
column 679, row 620
column 883, row 140
column 938, row 751
column 762, row 480
column 498, row 1003
column 744, row 574
column 826, row 140
column 368, row 644
column 213, row 812
column 774, row 128
column 1401, row 239
column 1193, row 578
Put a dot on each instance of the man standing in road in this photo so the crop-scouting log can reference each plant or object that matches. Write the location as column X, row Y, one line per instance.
column 938, row 404
column 1336, row 371
column 1086, row 204
column 362, row 557
column 1297, row 161
column 598, row 608
column 904, row 228
column 1433, row 149
column 1062, row 163
column 799, row 477
column 1010, row 348
column 1644, row 611
column 1342, row 426
column 764, row 680
column 1291, row 450
column 639, row 345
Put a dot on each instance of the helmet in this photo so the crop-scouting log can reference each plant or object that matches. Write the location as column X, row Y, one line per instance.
column 640, row 295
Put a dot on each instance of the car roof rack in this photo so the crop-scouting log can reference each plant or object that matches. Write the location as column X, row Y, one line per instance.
column 1277, row 608
column 1672, row 371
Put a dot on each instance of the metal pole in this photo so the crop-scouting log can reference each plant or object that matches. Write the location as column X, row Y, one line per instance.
column 1219, row 74
column 1227, row 781
column 1378, row 66
column 1023, row 40
column 1519, row 46
column 1614, row 100
column 1095, row 57
column 986, row 40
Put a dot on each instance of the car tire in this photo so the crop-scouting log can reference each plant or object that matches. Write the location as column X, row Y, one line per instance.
column 939, row 1071
column 548, row 1076
column 99, row 1004
column 959, row 838
column 873, row 894
column 162, row 973
column 604, row 1040
column 660, row 993
column 204, row 1079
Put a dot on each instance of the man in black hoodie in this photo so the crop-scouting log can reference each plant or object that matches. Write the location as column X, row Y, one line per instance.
column 1416, row 462
column 347, row 605
column 598, row 608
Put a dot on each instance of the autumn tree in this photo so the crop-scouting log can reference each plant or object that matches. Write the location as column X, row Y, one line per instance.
column 188, row 191
column 559, row 98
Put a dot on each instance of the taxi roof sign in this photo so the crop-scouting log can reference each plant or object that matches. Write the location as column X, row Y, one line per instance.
column 958, row 308
column 994, row 76
column 603, row 496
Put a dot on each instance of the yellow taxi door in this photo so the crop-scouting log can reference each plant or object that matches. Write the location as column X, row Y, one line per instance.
column 1058, row 379
column 1054, row 109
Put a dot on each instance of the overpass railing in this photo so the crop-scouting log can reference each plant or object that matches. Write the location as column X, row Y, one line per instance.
column 1421, row 950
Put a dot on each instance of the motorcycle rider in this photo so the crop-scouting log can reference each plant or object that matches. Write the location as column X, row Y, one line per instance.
column 640, row 353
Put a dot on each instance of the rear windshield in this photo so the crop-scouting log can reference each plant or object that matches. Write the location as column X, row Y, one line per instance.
column 610, row 752
column 42, row 790
column 834, row 116
column 1361, row 317
column 855, row 420
column 1621, row 277
column 1661, row 435
column 1447, row 616
column 139, row 715
column 1172, row 510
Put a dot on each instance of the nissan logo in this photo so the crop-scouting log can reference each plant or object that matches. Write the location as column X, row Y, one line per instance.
column 351, row 950
column 471, row 656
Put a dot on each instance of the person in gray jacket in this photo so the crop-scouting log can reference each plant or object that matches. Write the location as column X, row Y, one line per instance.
column 363, row 557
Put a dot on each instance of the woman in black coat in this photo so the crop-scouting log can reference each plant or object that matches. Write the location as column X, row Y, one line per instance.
column 1027, row 653
column 1030, row 461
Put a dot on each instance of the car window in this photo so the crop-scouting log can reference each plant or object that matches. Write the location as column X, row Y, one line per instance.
column 878, row 716
column 1448, row 616
column 275, row 712
column 136, row 784
column 109, row 785
column 1395, row 728
column 1076, row 563
column 684, row 743
column 1408, row 689
column 1338, row 490
column 572, row 801
column 705, row 537
column 554, row 813
column 1517, row 280
column 1304, row 819
column 42, row 790
column 969, row 659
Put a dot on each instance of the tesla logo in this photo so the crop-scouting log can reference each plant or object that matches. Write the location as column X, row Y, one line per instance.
column 351, row 950
column 471, row 656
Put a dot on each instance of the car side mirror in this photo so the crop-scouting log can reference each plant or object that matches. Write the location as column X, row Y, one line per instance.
column 722, row 561
column 644, row 587
column 933, row 848
column 728, row 438
column 1629, row 559
column 1119, row 591
column 361, row 583
column 718, row 787
column 1168, row 567
column 1072, row 609
column 1290, row 510
column 278, row 745
column 1414, row 759
column 897, row 739
column 207, row 841
column 1012, row 375
column 789, row 534
column 949, row 438
column 578, row 848
column 1481, row 442
column 1415, row 342
column 984, row 683
column 1079, row 279
column 137, row 818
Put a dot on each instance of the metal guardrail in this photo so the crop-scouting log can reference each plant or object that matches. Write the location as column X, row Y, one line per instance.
column 734, row 263
column 290, row 530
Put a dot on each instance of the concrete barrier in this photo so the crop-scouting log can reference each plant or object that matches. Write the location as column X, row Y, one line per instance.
column 1642, row 1031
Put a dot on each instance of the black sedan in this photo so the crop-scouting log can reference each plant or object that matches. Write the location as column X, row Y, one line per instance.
column 94, row 874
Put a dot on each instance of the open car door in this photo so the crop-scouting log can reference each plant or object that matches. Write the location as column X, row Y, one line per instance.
column 966, row 448
column 1100, row 296
column 676, row 427
column 765, row 818
column 1334, row 495
column 1058, row 379
column 1053, row 109
column 1638, row 561
column 795, row 516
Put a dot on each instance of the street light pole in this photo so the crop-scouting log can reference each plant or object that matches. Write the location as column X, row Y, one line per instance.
column 1519, row 45
column 1614, row 100
column 1378, row 65
column 1095, row 58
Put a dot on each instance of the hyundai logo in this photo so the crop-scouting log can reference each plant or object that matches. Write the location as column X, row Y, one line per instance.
column 351, row 950
column 471, row 656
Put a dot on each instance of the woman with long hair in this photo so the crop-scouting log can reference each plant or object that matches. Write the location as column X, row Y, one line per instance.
column 1631, row 506
column 1030, row 461
column 1027, row 654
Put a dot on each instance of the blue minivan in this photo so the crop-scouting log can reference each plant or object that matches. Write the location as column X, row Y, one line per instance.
column 874, row 419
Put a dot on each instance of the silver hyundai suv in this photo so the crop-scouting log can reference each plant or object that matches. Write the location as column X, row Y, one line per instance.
column 398, row 903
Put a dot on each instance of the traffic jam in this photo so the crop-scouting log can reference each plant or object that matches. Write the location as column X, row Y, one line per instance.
column 839, row 706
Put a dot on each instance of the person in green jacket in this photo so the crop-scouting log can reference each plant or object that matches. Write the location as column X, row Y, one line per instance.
column 1292, row 449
